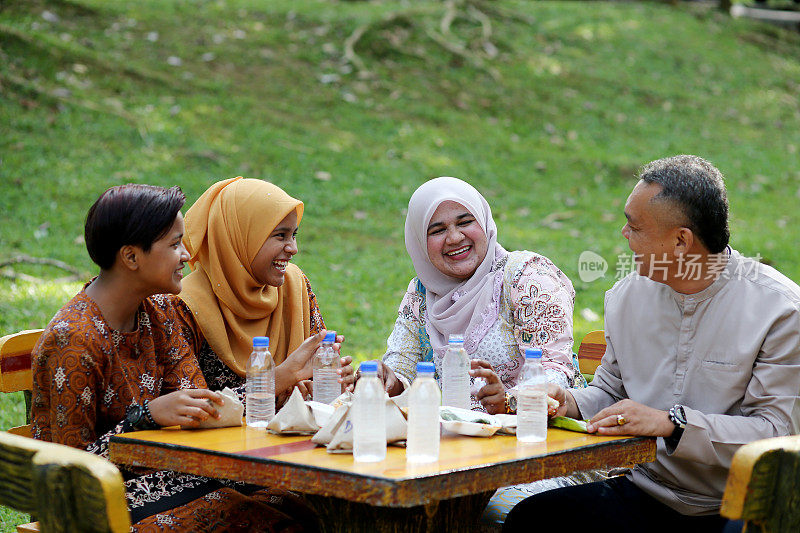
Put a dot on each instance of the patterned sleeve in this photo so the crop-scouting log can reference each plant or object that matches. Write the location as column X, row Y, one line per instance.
column 406, row 345
column 542, row 300
column 176, row 343
column 67, row 382
column 317, row 323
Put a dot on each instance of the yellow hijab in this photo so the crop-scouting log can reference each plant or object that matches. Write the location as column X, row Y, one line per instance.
column 225, row 229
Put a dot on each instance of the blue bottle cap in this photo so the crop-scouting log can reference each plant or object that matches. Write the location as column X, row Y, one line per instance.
column 533, row 353
column 330, row 337
column 455, row 338
column 261, row 342
column 425, row 368
column 369, row 366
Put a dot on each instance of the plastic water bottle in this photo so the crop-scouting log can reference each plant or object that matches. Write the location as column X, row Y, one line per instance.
column 326, row 381
column 455, row 374
column 369, row 416
column 260, row 388
column 532, row 399
column 423, row 417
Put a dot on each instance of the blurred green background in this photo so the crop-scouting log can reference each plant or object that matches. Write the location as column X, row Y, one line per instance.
column 548, row 108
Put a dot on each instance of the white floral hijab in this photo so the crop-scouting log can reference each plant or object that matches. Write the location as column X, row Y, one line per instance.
column 454, row 306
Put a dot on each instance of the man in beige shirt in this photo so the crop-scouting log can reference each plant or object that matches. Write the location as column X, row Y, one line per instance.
column 703, row 351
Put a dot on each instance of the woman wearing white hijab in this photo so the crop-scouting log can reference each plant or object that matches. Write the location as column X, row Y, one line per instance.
column 502, row 302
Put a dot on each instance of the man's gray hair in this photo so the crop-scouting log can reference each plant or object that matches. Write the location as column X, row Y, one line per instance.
column 697, row 189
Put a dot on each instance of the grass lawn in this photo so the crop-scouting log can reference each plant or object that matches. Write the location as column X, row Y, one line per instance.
column 547, row 108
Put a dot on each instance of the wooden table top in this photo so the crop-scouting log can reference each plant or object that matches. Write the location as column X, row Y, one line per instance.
column 467, row 465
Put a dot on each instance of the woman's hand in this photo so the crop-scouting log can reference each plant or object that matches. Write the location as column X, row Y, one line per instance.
column 346, row 373
column 186, row 407
column 298, row 366
column 337, row 346
column 391, row 384
column 559, row 394
column 492, row 395
column 306, row 388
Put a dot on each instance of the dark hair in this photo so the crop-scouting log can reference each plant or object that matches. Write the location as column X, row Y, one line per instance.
column 129, row 214
column 697, row 189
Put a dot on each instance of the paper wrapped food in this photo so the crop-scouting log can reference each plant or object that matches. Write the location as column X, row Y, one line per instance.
column 476, row 423
column 294, row 418
column 337, row 433
column 230, row 412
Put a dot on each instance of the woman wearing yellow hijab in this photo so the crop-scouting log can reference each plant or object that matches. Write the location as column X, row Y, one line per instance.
column 240, row 235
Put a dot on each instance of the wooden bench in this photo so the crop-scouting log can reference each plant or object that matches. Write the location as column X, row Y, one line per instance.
column 763, row 487
column 590, row 352
column 15, row 370
column 16, row 376
column 69, row 490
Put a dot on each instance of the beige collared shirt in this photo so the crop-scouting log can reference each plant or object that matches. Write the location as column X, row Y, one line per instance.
column 729, row 354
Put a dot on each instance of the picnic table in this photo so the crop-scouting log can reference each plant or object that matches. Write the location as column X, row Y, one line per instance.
column 390, row 495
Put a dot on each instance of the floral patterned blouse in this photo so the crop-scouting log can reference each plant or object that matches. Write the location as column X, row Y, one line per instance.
column 536, row 305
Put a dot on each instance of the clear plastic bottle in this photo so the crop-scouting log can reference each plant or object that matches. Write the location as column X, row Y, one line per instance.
column 455, row 374
column 260, row 388
column 423, row 417
column 326, row 381
column 369, row 416
column 532, row 399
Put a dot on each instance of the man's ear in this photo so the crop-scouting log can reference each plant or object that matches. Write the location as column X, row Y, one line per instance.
column 129, row 256
column 684, row 240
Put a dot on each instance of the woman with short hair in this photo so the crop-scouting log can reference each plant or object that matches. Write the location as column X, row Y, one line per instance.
column 112, row 361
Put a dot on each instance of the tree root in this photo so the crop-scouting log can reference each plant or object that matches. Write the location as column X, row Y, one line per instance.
column 26, row 259
column 33, row 88
column 472, row 10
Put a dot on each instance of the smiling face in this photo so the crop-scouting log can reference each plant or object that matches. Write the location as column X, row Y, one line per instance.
column 269, row 265
column 162, row 265
column 456, row 242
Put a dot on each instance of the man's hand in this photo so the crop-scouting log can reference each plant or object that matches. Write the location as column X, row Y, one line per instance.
column 186, row 407
column 627, row 417
column 492, row 395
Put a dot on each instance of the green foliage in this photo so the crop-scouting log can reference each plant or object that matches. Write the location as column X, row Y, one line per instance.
column 550, row 120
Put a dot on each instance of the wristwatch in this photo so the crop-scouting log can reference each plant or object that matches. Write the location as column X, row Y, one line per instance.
column 677, row 415
column 139, row 417
column 511, row 404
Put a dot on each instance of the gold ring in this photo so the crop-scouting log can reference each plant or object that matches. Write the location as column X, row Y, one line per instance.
column 621, row 420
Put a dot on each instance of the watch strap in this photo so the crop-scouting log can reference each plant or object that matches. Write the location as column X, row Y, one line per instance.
column 137, row 416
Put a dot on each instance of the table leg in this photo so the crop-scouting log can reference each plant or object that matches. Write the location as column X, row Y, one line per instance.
column 456, row 515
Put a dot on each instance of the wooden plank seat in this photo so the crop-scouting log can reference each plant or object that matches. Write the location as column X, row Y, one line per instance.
column 15, row 370
column 69, row 490
column 763, row 487
column 590, row 352
column 16, row 376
